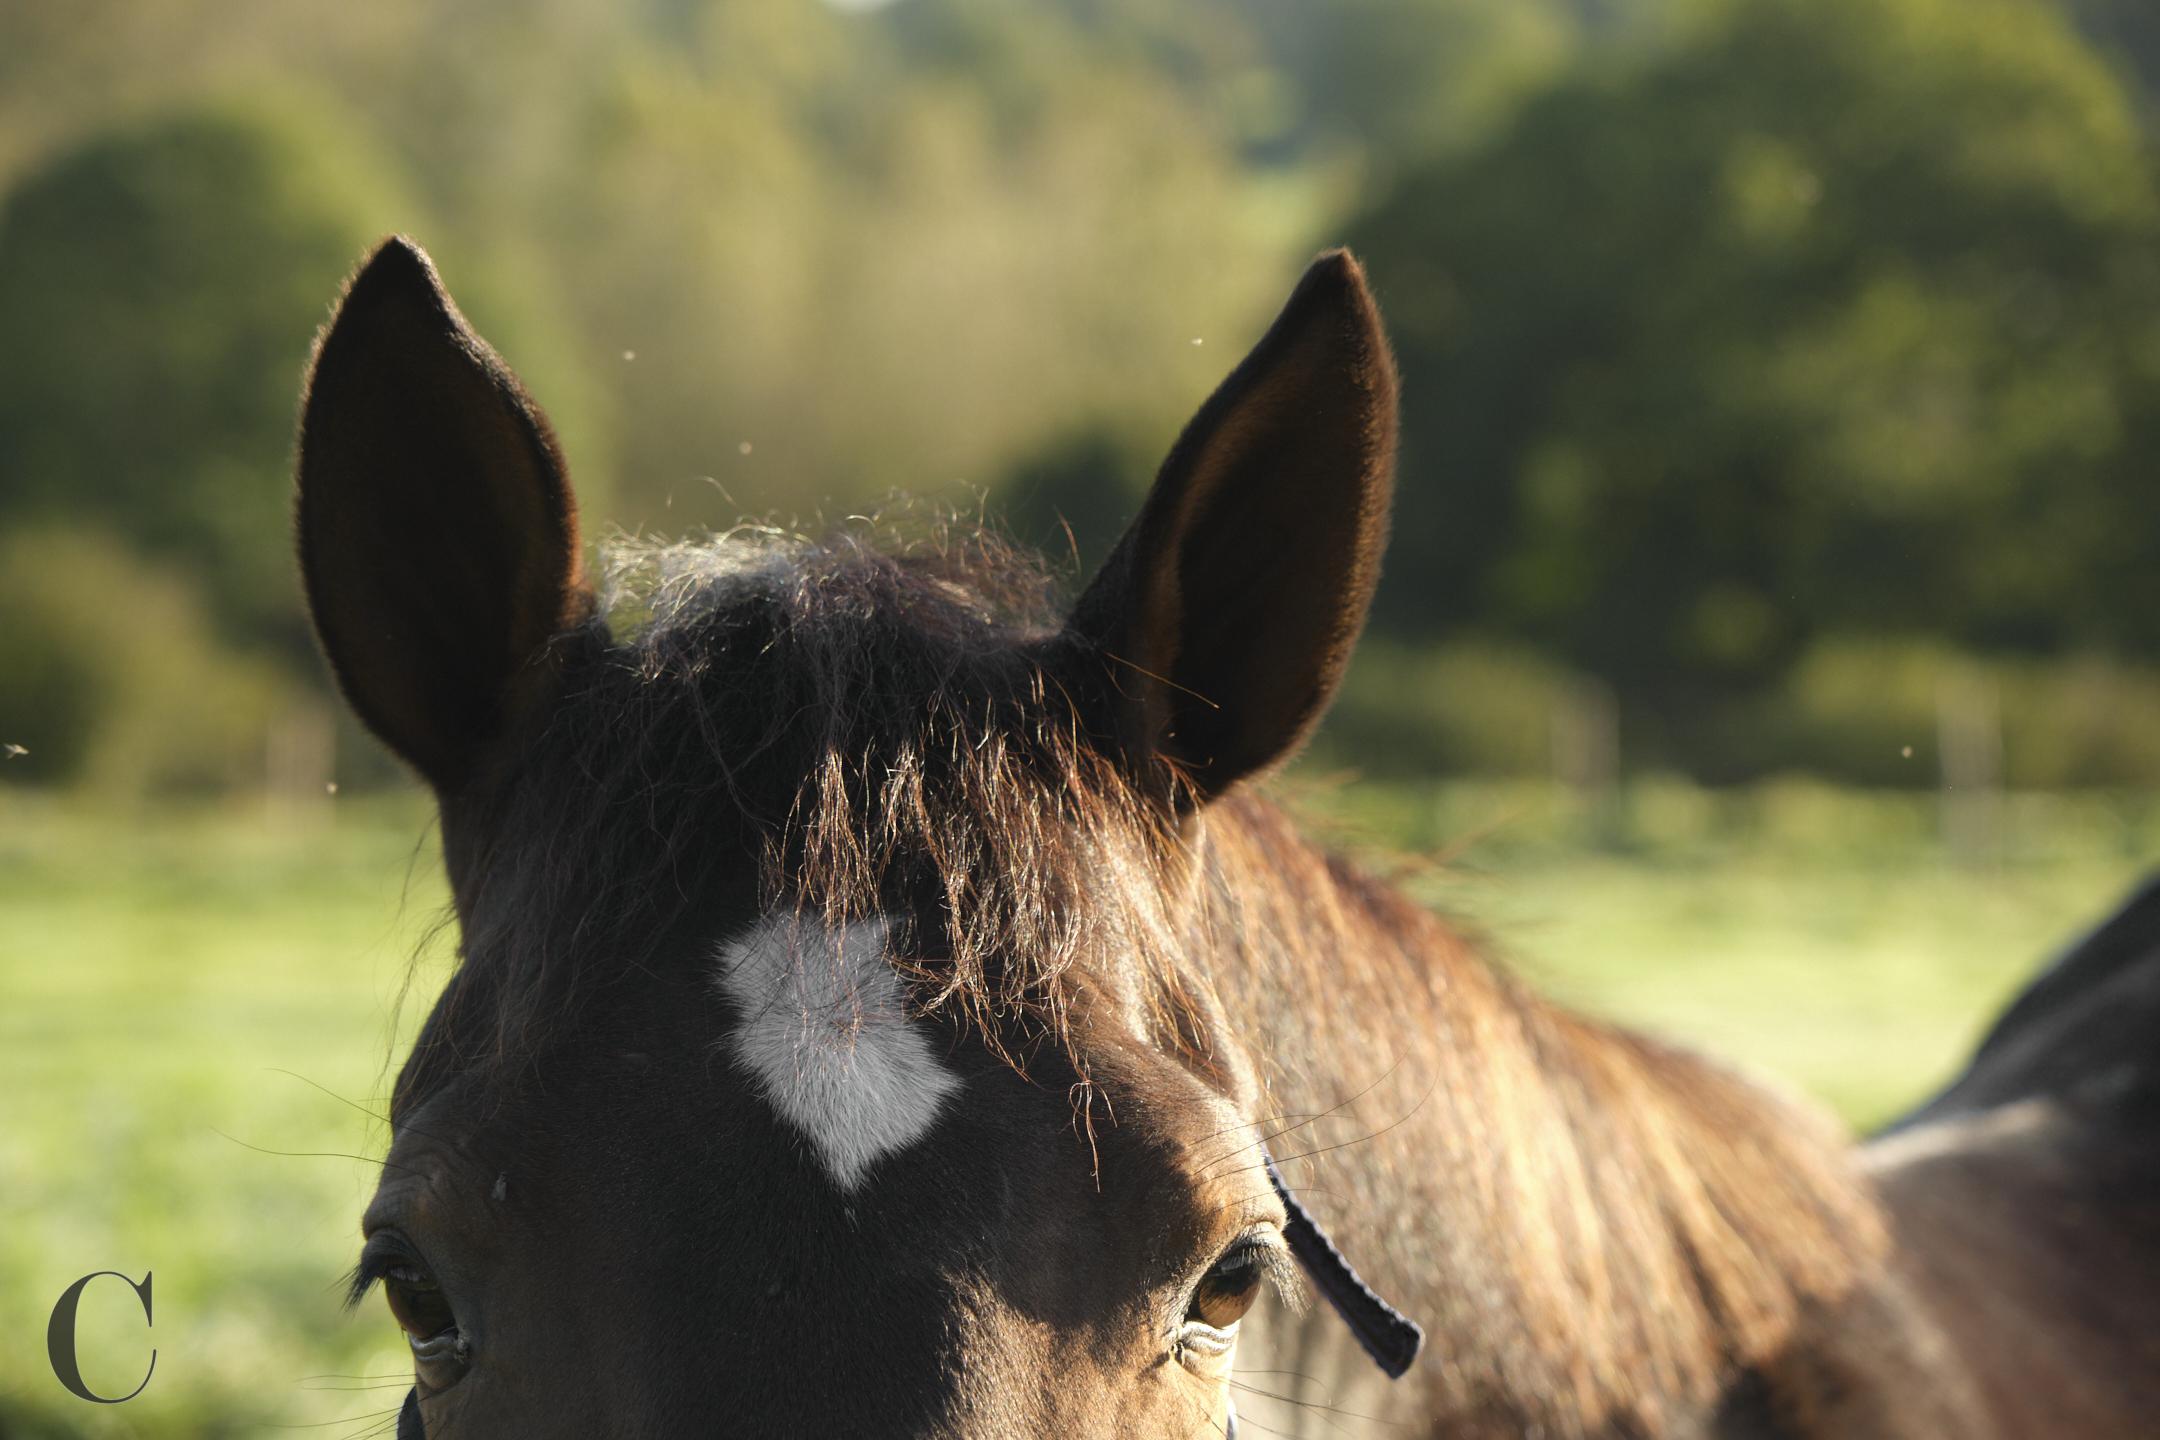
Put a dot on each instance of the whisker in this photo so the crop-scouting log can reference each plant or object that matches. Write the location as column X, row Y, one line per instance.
column 1341, row 1105
column 1326, row 1409
column 1300, row 1192
column 1207, row 1424
column 1246, row 1423
column 1396, row 1123
column 313, row 1154
column 318, row 1085
column 372, row 1415
column 1310, row 1117
column 376, row 1427
column 1259, row 1121
column 377, row 1115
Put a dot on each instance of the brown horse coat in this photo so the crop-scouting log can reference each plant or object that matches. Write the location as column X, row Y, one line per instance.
column 881, row 989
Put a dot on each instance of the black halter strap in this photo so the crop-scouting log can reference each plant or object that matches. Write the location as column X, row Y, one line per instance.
column 1391, row 1338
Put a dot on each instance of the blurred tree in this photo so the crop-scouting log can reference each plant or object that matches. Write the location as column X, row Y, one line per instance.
column 1403, row 79
column 114, row 674
column 903, row 249
column 1725, row 323
column 1074, row 497
column 2129, row 31
column 778, row 225
column 159, row 287
column 1837, row 313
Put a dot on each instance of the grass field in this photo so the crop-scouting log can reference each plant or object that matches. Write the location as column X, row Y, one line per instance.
column 174, row 988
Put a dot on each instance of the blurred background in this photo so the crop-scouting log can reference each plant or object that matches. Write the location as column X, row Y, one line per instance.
column 1770, row 648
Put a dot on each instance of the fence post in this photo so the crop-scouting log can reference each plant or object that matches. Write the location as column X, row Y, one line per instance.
column 1586, row 753
column 300, row 759
column 1968, row 727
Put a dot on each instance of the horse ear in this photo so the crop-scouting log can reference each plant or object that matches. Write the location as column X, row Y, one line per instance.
column 437, row 531
column 1228, row 612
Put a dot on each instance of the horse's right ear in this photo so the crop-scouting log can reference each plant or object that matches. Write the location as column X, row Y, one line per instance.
column 1226, row 616
column 437, row 532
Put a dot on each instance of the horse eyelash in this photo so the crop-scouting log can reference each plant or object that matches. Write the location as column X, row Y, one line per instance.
column 1281, row 1271
column 1278, row 1267
column 359, row 1281
column 378, row 1257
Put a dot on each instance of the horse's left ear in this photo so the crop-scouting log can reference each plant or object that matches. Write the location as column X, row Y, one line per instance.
column 438, row 536
column 1227, row 614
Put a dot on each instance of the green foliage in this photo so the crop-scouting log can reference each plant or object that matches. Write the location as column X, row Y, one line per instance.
column 1867, row 709
column 116, row 677
column 1402, row 80
column 1832, row 315
column 1466, row 707
column 1728, row 324
column 898, row 250
column 1073, row 498
column 159, row 287
column 1873, row 710
column 2128, row 33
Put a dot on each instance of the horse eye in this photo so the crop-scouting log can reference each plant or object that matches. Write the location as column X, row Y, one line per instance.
column 440, row 1353
column 417, row 1303
column 1230, row 1287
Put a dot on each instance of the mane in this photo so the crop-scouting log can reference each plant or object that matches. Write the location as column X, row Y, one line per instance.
column 1628, row 1226
column 880, row 712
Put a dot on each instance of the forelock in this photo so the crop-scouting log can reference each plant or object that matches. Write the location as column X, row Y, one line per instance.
column 877, row 713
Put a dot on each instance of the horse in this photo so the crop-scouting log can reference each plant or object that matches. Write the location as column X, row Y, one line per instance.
column 889, row 1004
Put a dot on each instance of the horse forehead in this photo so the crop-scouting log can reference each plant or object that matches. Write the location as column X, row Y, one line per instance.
column 823, row 1033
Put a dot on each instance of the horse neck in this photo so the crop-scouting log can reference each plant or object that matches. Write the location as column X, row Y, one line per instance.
column 1599, row 1232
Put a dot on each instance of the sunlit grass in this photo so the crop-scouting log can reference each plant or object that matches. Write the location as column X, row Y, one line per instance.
column 162, row 972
